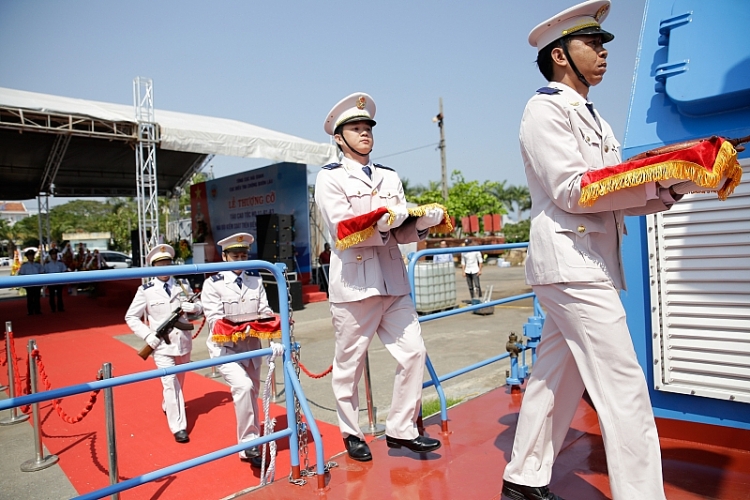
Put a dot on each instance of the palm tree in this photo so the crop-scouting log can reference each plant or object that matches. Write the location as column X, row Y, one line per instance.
column 521, row 197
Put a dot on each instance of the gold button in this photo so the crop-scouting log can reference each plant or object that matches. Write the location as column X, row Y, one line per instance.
column 606, row 149
column 588, row 139
column 359, row 257
column 359, row 193
column 374, row 192
column 581, row 228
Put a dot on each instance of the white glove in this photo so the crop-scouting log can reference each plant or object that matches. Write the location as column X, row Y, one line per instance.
column 400, row 215
column 153, row 340
column 277, row 348
column 432, row 217
column 188, row 307
column 686, row 187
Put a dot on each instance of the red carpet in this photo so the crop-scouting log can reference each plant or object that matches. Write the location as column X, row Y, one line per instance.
column 73, row 345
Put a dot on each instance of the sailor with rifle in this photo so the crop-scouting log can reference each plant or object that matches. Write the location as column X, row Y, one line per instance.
column 164, row 301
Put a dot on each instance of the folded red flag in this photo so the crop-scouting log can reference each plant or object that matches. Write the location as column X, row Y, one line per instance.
column 226, row 331
column 357, row 229
column 704, row 163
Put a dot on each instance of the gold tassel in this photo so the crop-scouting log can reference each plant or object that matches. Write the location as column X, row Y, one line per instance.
column 355, row 238
column 725, row 164
column 249, row 332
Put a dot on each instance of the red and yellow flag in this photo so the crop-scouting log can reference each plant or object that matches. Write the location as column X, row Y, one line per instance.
column 704, row 163
column 357, row 229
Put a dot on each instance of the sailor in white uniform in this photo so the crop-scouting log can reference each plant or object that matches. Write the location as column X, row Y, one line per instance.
column 157, row 299
column 368, row 288
column 231, row 293
column 575, row 268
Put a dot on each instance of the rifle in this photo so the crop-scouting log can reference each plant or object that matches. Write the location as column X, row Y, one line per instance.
column 166, row 327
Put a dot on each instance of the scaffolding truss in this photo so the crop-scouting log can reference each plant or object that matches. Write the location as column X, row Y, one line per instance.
column 145, row 165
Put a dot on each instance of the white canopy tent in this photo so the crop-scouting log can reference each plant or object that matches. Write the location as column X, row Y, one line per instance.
column 31, row 123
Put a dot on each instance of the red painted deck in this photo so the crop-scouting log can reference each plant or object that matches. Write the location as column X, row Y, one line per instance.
column 474, row 453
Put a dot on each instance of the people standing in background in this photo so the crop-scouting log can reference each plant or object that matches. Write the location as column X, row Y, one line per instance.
column 324, row 259
column 443, row 257
column 33, row 293
column 471, row 263
column 54, row 265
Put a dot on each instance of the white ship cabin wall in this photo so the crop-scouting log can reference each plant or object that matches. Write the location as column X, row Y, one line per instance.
column 688, row 269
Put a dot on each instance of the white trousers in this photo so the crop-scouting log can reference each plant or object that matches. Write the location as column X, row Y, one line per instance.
column 173, row 402
column 586, row 344
column 395, row 321
column 244, row 381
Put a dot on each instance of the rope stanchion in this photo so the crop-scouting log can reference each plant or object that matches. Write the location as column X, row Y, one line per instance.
column 315, row 375
column 14, row 417
column 56, row 402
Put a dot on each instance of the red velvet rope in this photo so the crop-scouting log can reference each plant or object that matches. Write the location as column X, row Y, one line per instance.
column 56, row 402
column 23, row 391
column 198, row 332
column 314, row 375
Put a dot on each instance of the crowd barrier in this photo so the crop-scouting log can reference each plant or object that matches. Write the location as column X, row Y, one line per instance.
column 291, row 381
column 516, row 352
column 532, row 329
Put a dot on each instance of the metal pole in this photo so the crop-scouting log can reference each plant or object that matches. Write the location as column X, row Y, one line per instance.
column 214, row 373
column 40, row 461
column 109, row 414
column 443, row 167
column 374, row 427
column 14, row 416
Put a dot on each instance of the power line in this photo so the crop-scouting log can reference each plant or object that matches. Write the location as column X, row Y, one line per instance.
column 408, row 150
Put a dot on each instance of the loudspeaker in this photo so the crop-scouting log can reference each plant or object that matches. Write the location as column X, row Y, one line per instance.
column 272, row 253
column 274, row 228
column 272, row 292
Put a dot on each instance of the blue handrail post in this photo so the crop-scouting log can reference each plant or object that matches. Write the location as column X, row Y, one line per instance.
column 441, row 395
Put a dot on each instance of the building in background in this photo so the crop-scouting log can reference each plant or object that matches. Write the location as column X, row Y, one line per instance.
column 13, row 211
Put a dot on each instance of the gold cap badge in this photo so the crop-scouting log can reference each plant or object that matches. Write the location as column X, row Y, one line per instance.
column 361, row 102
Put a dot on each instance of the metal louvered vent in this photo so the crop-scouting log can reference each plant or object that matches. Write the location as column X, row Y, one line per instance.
column 699, row 268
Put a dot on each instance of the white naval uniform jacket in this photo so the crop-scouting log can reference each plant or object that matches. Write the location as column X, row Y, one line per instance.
column 374, row 266
column 222, row 297
column 152, row 299
column 561, row 141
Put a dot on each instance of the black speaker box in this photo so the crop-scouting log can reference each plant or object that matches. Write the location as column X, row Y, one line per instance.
column 272, row 291
column 272, row 253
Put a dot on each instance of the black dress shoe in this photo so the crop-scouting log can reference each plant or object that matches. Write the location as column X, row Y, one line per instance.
column 419, row 444
column 253, row 456
column 520, row 492
column 181, row 437
column 357, row 449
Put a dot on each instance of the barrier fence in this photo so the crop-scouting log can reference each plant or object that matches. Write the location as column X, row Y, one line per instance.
column 515, row 351
column 291, row 381
column 532, row 329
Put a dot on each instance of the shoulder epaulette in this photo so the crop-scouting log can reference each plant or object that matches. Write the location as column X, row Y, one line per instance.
column 148, row 285
column 217, row 277
column 378, row 165
column 331, row 166
column 548, row 91
column 252, row 272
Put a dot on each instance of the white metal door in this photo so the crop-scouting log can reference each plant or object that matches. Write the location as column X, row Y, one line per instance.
column 699, row 268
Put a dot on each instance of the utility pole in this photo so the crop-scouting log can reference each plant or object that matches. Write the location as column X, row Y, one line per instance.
column 439, row 120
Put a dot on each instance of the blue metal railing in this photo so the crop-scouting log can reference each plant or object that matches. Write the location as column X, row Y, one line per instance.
column 532, row 329
column 291, row 383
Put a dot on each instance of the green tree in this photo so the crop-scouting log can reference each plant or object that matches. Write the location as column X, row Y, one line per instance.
column 517, row 233
column 465, row 197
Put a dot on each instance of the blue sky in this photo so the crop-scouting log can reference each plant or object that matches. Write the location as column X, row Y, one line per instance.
column 283, row 64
